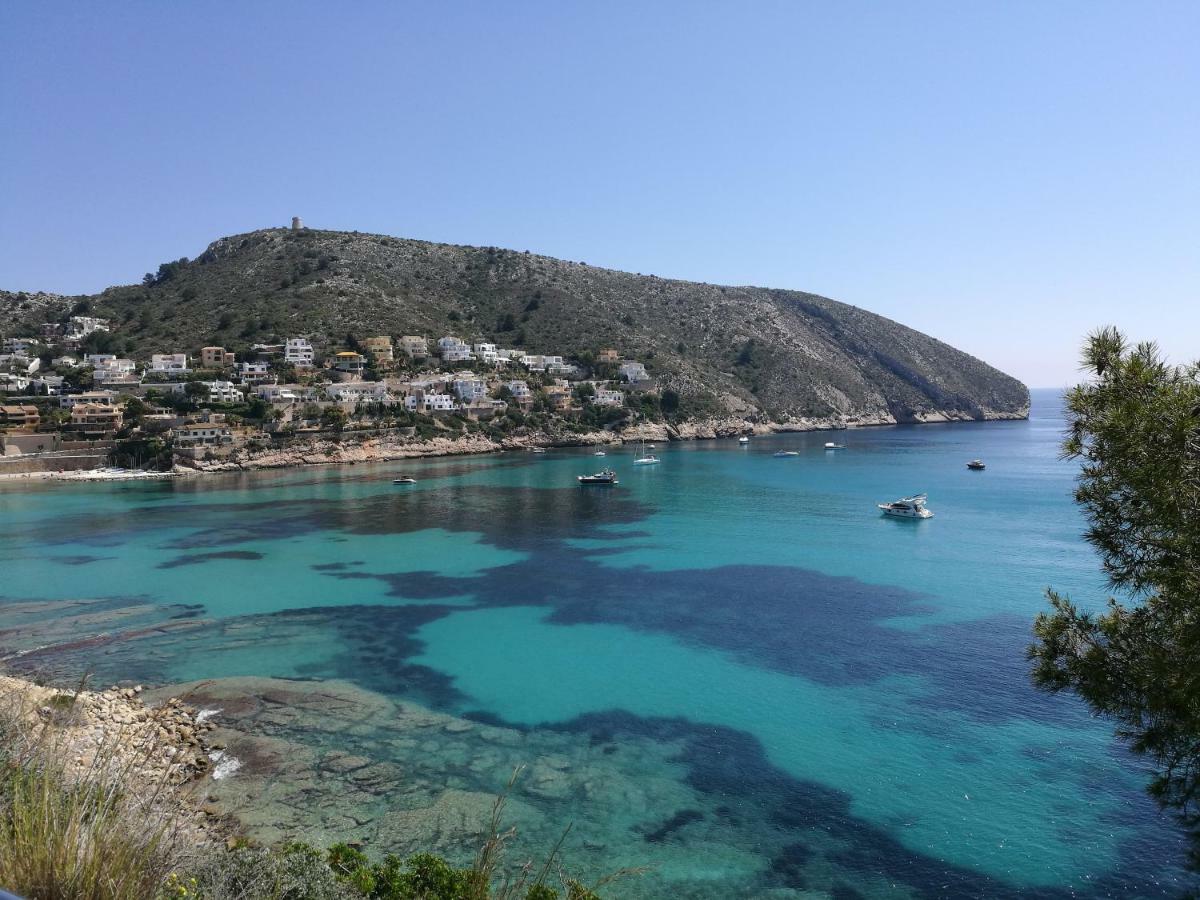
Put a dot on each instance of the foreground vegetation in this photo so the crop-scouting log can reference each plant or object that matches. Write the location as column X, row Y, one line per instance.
column 78, row 824
column 1136, row 428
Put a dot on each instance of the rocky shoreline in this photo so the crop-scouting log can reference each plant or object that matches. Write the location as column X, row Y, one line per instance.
column 375, row 447
column 164, row 748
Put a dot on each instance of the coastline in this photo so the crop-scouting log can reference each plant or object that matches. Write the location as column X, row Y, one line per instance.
column 374, row 446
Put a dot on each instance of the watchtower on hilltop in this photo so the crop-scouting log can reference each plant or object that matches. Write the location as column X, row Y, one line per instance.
column 296, row 223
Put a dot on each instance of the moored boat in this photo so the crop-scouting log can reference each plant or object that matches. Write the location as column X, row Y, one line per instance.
column 783, row 453
column 404, row 479
column 743, row 439
column 976, row 465
column 646, row 459
column 907, row 508
column 830, row 445
column 608, row 476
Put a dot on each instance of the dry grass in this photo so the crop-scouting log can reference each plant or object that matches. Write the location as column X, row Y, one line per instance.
column 76, row 826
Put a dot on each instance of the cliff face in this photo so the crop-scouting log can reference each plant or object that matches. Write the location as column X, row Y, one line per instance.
column 727, row 350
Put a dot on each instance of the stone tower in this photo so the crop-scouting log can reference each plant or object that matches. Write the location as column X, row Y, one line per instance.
column 296, row 223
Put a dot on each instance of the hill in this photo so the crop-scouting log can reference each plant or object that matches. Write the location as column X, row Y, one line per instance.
column 741, row 350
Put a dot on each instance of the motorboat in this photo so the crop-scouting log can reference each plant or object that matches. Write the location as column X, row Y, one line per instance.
column 830, row 445
column 976, row 465
column 743, row 440
column 537, row 449
column 907, row 508
column 783, row 453
column 646, row 459
column 599, row 453
column 404, row 480
column 608, row 476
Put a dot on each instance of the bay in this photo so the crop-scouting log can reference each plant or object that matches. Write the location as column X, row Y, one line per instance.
column 729, row 668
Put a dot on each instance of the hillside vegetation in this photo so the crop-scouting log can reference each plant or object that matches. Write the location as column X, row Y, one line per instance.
column 741, row 350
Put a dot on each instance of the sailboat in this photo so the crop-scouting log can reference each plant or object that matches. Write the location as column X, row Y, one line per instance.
column 644, row 459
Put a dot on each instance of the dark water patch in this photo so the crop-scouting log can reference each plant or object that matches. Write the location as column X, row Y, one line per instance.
column 788, row 866
column 335, row 566
column 196, row 559
column 81, row 559
column 732, row 766
column 829, row 629
column 667, row 828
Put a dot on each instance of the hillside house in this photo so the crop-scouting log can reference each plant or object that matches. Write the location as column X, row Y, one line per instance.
column 421, row 401
column 172, row 363
column 358, row 392
column 81, row 326
column 223, row 392
column 299, row 352
column 414, row 347
column 25, row 418
column 469, row 388
column 216, row 357
column 633, row 372
column 521, row 393
column 18, row 346
column 95, row 420
column 381, row 351
column 347, row 362
column 286, row 393
column 608, row 397
column 50, row 385
column 68, row 401
column 253, row 372
column 453, row 349
column 114, row 371
column 608, row 355
column 202, row 434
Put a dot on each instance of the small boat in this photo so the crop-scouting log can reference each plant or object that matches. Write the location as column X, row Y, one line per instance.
column 537, row 449
column 743, row 440
column 599, row 453
column 907, row 508
column 651, row 446
column 830, row 445
column 405, row 480
column 646, row 459
column 608, row 476
column 783, row 453
column 976, row 465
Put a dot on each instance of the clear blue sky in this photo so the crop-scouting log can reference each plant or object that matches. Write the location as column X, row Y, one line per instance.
column 1004, row 176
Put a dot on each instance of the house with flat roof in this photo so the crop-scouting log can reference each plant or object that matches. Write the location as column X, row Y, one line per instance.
column 216, row 357
column 172, row 363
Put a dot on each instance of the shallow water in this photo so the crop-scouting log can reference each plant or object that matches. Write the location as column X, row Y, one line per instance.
column 741, row 673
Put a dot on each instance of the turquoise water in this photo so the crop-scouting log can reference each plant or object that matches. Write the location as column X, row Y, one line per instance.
column 841, row 698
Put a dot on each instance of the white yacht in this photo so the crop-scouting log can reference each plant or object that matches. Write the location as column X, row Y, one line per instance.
column 783, row 453
column 743, row 440
column 830, row 445
column 599, row 453
column 646, row 459
column 907, row 508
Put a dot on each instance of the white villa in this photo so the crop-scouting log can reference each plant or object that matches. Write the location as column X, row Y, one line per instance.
column 299, row 352
column 358, row 392
column 253, row 372
column 468, row 387
column 453, row 349
column 633, row 371
column 420, row 401
column 169, row 362
column 606, row 397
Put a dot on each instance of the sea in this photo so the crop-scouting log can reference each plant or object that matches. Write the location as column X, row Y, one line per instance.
column 728, row 673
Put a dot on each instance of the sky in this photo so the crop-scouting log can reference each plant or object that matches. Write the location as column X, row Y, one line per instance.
column 1003, row 176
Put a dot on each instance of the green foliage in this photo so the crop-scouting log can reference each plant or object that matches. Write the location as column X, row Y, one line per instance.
column 1135, row 427
column 334, row 418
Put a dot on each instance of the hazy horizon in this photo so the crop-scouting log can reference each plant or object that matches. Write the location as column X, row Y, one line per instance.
column 1004, row 179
